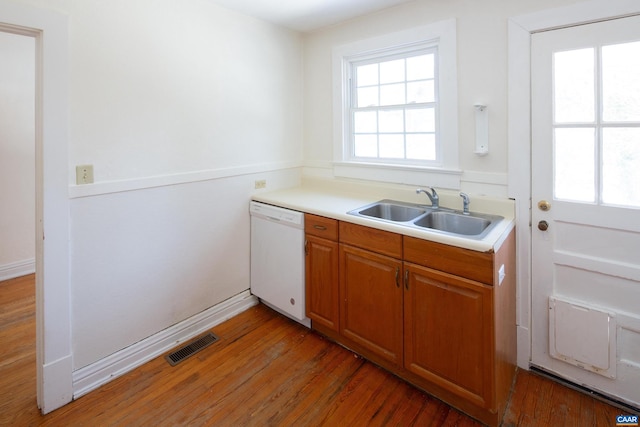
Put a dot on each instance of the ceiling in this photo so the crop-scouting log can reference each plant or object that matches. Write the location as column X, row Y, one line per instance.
column 307, row 15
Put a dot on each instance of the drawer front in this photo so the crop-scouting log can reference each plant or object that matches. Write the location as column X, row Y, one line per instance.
column 321, row 226
column 371, row 239
column 450, row 259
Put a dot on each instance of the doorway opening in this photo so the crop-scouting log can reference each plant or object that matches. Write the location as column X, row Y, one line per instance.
column 18, row 145
column 17, row 162
column 49, row 31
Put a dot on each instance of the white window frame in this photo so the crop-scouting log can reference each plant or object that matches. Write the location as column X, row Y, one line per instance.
column 445, row 173
column 378, row 57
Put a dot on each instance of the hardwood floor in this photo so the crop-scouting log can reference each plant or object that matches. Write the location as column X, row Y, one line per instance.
column 265, row 370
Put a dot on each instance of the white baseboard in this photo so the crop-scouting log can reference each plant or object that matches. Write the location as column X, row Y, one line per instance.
column 104, row 370
column 524, row 347
column 17, row 269
column 57, row 388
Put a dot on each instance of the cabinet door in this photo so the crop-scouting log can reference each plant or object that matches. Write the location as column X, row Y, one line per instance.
column 448, row 332
column 322, row 283
column 371, row 301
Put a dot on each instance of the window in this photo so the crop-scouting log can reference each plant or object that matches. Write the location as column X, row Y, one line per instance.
column 395, row 107
column 597, row 125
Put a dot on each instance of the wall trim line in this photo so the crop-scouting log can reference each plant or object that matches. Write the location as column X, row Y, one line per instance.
column 133, row 184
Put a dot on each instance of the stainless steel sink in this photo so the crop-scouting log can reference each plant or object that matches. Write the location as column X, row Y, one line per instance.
column 448, row 221
column 452, row 222
column 390, row 211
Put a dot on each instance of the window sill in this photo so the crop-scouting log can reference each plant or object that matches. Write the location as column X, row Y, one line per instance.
column 399, row 174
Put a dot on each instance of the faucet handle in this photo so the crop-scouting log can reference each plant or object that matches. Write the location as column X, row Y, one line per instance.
column 433, row 196
column 433, row 191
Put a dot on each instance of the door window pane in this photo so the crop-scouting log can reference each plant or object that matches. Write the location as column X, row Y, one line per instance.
column 574, row 164
column 621, row 166
column 574, row 86
column 621, row 82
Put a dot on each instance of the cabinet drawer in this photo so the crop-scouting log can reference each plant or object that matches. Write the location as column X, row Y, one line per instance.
column 372, row 239
column 450, row 259
column 321, row 226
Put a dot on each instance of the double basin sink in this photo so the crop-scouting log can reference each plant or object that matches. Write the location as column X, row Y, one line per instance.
column 442, row 220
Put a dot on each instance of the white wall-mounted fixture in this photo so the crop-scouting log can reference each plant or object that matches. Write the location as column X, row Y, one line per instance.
column 482, row 130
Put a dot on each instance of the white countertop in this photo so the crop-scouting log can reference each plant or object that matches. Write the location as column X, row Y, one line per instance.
column 335, row 199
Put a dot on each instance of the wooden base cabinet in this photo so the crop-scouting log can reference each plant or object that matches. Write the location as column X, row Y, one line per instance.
column 439, row 316
column 460, row 324
column 371, row 293
column 321, row 271
column 448, row 334
column 371, row 302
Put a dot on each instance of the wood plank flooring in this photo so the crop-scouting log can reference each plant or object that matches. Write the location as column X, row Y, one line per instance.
column 265, row 371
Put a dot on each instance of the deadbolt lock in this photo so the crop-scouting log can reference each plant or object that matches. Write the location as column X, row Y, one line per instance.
column 543, row 205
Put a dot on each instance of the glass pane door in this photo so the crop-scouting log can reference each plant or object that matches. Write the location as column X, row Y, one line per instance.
column 596, row 121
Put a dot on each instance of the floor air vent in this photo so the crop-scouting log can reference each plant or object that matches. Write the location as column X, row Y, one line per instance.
column 191, row 349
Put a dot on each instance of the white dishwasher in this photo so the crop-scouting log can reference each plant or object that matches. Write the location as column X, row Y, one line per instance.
column 277, row 259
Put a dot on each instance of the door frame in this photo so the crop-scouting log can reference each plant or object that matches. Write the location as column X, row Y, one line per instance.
column 520, row 29
column 53, row 309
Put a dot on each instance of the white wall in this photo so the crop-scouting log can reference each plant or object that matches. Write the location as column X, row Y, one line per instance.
column 145, row 260
column 160, row 87
column 179, row 106
column 17, row 155
column 482, row 78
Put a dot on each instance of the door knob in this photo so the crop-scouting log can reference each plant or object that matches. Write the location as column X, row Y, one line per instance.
column 543, row 225
column 543, row 205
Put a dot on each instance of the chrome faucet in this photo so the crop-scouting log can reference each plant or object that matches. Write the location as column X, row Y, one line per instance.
column 465, row 203
column 433, row 196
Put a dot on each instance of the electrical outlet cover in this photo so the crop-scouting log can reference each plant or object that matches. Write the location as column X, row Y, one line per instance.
column 84, row 174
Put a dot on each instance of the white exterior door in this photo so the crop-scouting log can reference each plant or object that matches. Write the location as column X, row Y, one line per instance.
column 586, row 205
